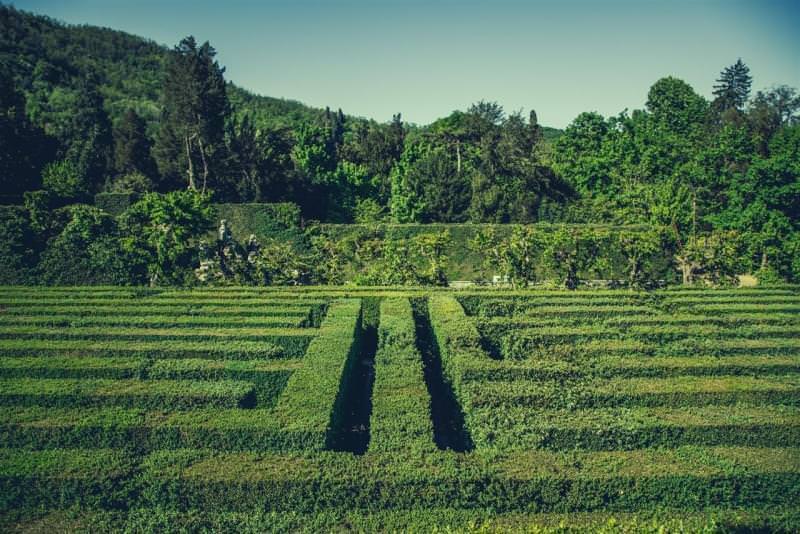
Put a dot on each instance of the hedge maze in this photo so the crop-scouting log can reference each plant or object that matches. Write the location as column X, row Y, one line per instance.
column 238, row 409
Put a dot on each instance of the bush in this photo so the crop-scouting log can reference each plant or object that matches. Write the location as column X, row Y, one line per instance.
column 66, row 180
column 87, row 251
column 19, row 249
column 162, row 232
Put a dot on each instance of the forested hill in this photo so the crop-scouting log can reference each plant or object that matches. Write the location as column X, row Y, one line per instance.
column 49, row 59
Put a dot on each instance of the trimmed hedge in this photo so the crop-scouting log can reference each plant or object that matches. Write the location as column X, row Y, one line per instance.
column 524, row 347
column 401, row 417
column 526, row 481
column 224, row 313
column 292, row 340
column 519, row 428
column 65, row 392
column 221, row 429
column 269, row 377
column 144, row 303
column 310, row 402
column 62, row 478
column 459, row 345
column 626, row 367
column 157, row 321
column 72, row 367
column 221, row 350
column 737, row 519
column 636, row 392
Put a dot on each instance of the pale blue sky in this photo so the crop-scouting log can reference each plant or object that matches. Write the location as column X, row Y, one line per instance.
column 425, row 59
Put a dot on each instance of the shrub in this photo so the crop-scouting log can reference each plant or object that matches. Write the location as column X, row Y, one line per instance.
column 163, row 232
column 66, row 180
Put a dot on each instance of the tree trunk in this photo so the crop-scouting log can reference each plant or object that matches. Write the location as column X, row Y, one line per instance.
column 764, row 260
column 458, row 157
column 190, row 170
column 205, row 163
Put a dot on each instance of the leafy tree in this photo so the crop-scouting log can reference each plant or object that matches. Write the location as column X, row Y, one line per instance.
column 675, row 106
column 514, row 258
column 762, row 203
column 771, row 110
column 195, row 107
column 368, row 211
column 639, row 248
column 570, row 252
column 431, row 249
column 163, row 233
column 579, row 156
column 712, row 257
column 733, row 87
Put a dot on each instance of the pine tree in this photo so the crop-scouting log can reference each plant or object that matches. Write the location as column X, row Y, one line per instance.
column 733, row 86
column 195, row 107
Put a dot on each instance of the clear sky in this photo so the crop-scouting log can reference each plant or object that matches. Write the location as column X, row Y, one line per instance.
column 427, row 58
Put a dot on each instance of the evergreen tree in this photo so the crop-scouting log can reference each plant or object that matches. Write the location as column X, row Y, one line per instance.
column 23, row 147
column 733, row 87
column 89, row 138
column 132, row 146
column 195, row 107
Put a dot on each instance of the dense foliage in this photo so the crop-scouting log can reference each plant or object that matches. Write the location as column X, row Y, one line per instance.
column 87, row 110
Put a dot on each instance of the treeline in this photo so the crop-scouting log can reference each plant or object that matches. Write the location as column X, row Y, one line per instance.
column 85, row 110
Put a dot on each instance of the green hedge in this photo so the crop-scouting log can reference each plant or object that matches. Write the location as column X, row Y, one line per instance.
column 691, row 478
column 527, row 481
column 626, row 367
column 736, row 519
column 291, row 320
column 62, row 478
column 293, row 340
column 65, row 392
column 222, row 429
column 155, row 303
column 522, row 347
column 638, row 392
column 310, row 402
column 279, row 221
column 401, row 416
column 269, row 377
column 459, row 345
column 520, row 428
column 221, row 350
column 223, row 312
column 72, row 367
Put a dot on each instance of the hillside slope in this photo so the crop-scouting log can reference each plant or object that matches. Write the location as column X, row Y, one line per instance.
column 47, row 58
